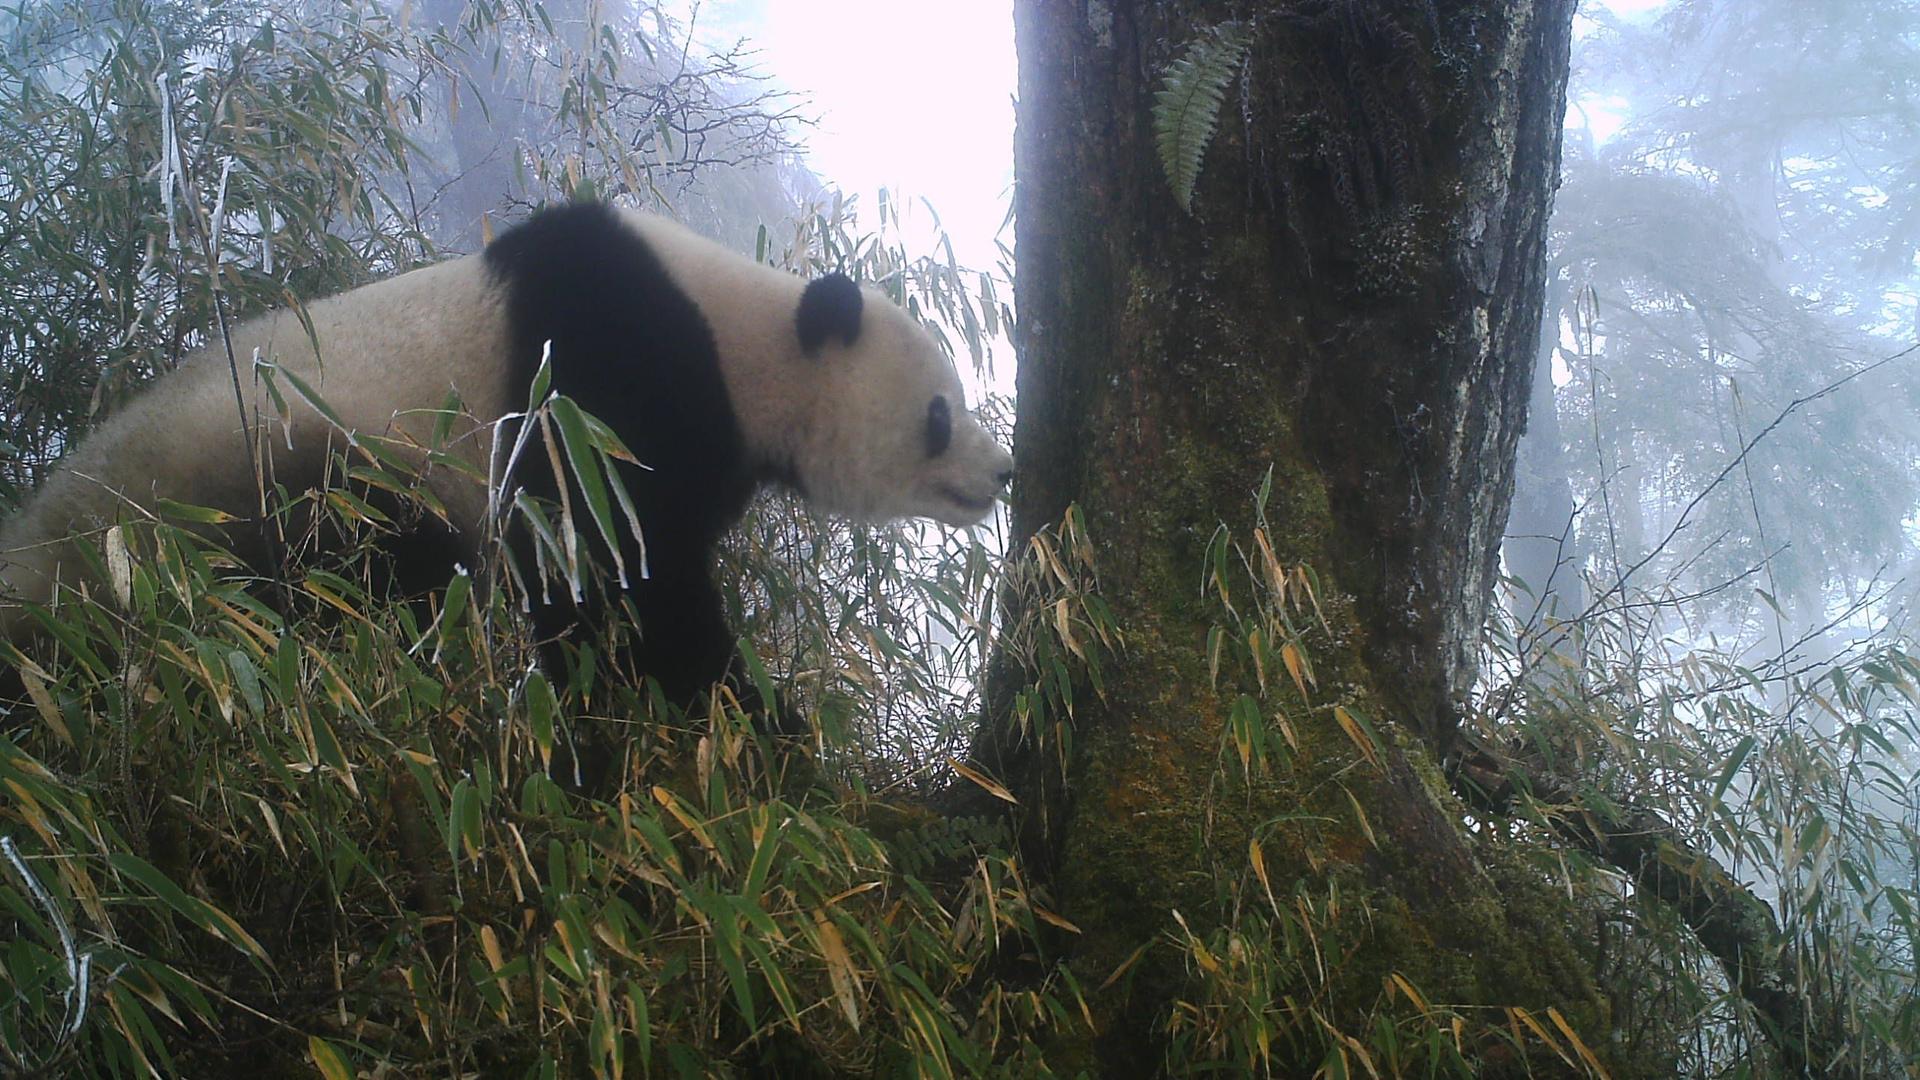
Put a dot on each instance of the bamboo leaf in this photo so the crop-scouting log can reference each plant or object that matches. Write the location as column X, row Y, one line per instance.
column 196, row 515
column 1360, row 731
column 197, row 911
column 841, row 974
column 1579, row 1047
column 583, row 457
column 328, row 1059
column 992, row 786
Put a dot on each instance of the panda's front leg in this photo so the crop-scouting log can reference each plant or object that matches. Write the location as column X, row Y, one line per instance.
column 686, row 645
column 676, row 634
column 682, row 640
column 670, row 625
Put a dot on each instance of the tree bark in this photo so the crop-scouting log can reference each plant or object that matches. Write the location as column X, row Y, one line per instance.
column 1352, row 308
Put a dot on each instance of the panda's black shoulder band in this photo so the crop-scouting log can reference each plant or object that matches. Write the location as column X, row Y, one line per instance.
column 829, row 308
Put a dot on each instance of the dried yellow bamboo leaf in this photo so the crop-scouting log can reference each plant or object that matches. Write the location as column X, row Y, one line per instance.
column 993, row 787
column 841, row 973
column 1413, row 994
column 1579, row 1047
column 1051, row 919
column 1359, row 737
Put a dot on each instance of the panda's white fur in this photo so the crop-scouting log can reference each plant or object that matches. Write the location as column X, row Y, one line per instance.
column 836, row 415
column 391, row 351
column 844, row 421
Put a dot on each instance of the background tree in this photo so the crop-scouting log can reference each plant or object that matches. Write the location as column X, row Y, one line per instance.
column 116, row 119
column 542, row 94
column 1728, row 461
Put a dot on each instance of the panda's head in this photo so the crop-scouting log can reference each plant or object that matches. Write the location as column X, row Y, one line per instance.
column 890, row 435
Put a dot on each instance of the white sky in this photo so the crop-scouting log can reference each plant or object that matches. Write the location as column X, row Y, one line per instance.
column 912, row 95
column 1605, row 116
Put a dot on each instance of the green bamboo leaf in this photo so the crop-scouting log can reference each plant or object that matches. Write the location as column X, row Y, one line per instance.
column 429, row 792
column 762, row 682
column 542, row 378
column 137, row 1025
column 75, row 640
column 608, row 442
column 458, row 590
column 757, row 869
column 550, row 554
column 658, row 844
column 726, row 945
column 450, row 410
column 352, row 507
column 248, row 677
column 463, row 823
column 540, row 709
column 776, row 982
column 583, row 457
column 328, row 1059
column 331, row 753
column 642, row 1023
column 316, row 402
column 194, row 910
column 1732, row 767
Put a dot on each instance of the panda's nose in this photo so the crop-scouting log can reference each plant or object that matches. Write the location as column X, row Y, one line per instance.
column 1005, row 476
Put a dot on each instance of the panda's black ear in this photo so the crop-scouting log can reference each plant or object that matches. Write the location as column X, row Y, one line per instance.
column 829, row 308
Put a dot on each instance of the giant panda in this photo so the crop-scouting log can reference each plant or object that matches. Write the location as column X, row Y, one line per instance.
column 719, row 373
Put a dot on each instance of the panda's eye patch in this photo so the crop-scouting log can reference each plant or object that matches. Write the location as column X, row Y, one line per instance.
column 939, row 427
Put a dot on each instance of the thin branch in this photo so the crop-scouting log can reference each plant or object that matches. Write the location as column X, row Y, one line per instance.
column 1604, row 600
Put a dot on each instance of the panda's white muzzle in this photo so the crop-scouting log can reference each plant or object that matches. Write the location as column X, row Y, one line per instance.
column 976, row 473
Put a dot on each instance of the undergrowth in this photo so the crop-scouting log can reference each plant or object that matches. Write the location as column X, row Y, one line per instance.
column 260, row 826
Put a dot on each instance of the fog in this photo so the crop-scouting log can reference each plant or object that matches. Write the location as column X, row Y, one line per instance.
column 1702, row 645
column 1726, row 403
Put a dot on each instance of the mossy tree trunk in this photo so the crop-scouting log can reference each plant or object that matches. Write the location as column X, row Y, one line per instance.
column 1351, row 307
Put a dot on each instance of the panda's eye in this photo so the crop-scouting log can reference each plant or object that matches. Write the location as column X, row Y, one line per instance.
column 939, row 427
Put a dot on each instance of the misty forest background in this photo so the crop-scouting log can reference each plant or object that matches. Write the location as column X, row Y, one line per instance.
column 1300, row 717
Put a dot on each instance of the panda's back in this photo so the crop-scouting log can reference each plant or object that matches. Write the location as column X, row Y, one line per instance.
column 391, row 350
column 389, row 354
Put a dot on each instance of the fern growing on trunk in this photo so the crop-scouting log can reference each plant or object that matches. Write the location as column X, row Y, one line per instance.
column 1186, row 109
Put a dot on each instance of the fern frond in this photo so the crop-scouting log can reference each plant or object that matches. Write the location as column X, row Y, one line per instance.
column 1186, row 108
